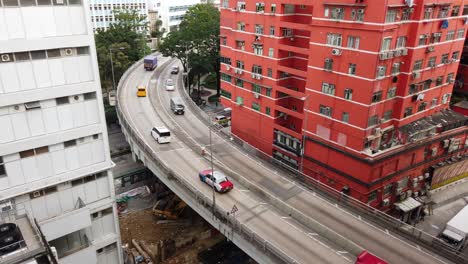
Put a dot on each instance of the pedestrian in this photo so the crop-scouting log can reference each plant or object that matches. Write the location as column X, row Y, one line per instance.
column 423, row 215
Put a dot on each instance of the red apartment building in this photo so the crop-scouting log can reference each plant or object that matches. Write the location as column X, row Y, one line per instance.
column 354, row 93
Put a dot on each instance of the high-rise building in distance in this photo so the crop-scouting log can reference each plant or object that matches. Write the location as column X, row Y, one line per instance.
column 354, row 93
column 54, row 152
column 103, row 12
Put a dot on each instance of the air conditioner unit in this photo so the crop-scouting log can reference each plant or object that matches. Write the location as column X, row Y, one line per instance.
column 360, row 11
column 377, row 131
column 430, row 49
column 383, row 56
column 454, row 60
column 68, row 52
column 6, row 206
column 420, row 97
column 398, row 191
column 253, row 75
column 336, row 52
column 404, row 52
column 228, row 67
column 397, row 53
column 259, row 76
column 390, row 54
column 291, row 38
column 434, row 152
column 256, row 95
column 36, row 194
column 416, row 75
column 5, row 57
column 445, row 143
column 451, row 81
column 385, row 202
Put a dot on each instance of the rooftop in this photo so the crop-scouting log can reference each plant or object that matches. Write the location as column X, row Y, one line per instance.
column 462, row 104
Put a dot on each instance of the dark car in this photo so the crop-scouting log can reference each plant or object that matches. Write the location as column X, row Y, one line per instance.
column 175, row 70
column 10, row 238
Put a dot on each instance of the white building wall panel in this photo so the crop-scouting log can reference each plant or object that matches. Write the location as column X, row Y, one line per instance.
column 25, row 75
column 6, row 133
column 90, row 190
column 32, row 22
column 77, row 19
column 9, row 77
column 42, row 73
column 47, row 21
column 108, row 224
column 14, row 168
column 78, row 118
column 98, row 151
column 3, row 26
column 103, row 187
column 39, row 208
column 72, row 74
column 64, row 113
column 90, row 109
column 58, row 72
column 20, row 125
column 84, row 151
column 29, row 167
column 72, row 159
column 51, row 120
column 53, row 205
column 86, row 68
column 66, row 200
column 59, row 161
column 14, row 23
column 62, row 21
column 35, row 122
column 45, row 167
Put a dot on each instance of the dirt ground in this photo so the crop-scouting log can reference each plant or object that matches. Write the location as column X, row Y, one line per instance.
column 142, row 225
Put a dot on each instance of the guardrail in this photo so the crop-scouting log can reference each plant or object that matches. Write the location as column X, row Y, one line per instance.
column 383, row 220
column 241, row 229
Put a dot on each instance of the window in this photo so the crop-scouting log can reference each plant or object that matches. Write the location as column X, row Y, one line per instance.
column 352, row 69
column 435, row 38
column 445, row 58
column 272, row 30
column 334, row 39
column 38, row 55
column 268, row 110
column 465, row 10
column 377, row 97
column 325, row 110
column 271, row 52
column 258, row 49
column 239, row 83
column 270, row 72
column 357, row 15
column 387, row 115
column 428, row 12
column 445, row 98
column 353, row 42
column 372, row 196
column 345, row 117
column 226, row 94
column 422, row 40
column 328, row 88
column 444, row 12
column 337, row 13
column 460, row 33
column 225, row 60
column 257, row 69
column 22, row 56
column 259, row 29
column 273, row 8
column 69, row 143
column 396, row 68
column 406, row 14
column 256, row 106
column 431, row 62
column 241, row 26
column 62, row 100
column 268, row 92
column 225, row 3
column 439, row 80
column 386, row 44
column 240, row 44
column 450, row 77
column 225, row 77
column 373, row 120
column 2, row 168
column 417, row 65
column 348, row 94
column 260, row 7
column 408, row 111
column 241, row 6
column 434, row 102
column 381, row 70
column 455, row 55
column 328, row 64
column 412, row 89
column 256, row 88
column 240, row 64
column 391, row 92
column 70, row 243
column 422, row 106
column 450, row 35
column 455, row 11
column 287, row 32
column 391, row 16
column 10, row 2
column 82, row 51
column 401, row 42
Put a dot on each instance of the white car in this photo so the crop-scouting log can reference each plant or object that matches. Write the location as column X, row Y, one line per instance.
column 170, row 85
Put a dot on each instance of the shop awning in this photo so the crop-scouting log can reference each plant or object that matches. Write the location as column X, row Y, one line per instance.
column 408, row 205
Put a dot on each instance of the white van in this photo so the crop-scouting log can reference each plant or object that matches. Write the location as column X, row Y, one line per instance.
column 177, row 105
column 161, row 134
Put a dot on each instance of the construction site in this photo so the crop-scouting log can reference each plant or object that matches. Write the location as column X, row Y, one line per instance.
column 156, row 226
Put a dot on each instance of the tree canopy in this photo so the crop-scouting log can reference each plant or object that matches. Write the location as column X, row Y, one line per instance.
column 125, row 39
column 196, row 43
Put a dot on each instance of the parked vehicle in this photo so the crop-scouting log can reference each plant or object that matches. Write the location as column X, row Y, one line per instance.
column 150, row 62
column 222, row 120
column 177, row 105
column 456, row 230
column 141, row 91
column 170, row 85
column 161, row 134
column 218, row 179
column 367, row 258
column 175, row 70
column 10, row 238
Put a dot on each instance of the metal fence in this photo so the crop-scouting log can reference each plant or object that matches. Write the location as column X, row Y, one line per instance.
column 381, row 219
column 203, row 201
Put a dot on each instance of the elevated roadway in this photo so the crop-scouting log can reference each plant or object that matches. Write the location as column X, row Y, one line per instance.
column 278, row 221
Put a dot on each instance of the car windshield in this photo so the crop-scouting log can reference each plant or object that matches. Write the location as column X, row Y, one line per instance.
column 141, row 89
column 165, row 134
column 169, row 82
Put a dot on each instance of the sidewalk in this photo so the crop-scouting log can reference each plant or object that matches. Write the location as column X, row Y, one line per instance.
column 210, row 106
column 449, row 193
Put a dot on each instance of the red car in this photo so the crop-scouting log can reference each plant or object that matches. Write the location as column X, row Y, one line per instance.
column 218, row 179
column 367, row 258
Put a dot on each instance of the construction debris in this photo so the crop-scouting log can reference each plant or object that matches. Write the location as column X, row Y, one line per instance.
column 142, row 252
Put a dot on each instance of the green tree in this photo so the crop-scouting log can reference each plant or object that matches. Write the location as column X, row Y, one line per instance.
column 126, row 40
column 158, row 32
column 197, row 38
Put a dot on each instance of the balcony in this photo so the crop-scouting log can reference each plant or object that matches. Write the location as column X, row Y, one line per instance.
column 20, row 237
column 291, row 106
column 291, row 86
column 294, row 65
column 294, row 43
column 288, row 124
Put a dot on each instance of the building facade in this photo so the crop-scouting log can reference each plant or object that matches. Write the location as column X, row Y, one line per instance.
column 172, row 12
column 102, row 12
column 353, row 94
column 54, row 152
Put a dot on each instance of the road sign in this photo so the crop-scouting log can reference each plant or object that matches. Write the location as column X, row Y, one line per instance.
column 234, row 209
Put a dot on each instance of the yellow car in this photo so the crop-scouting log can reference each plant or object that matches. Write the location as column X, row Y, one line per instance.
column 141, row 92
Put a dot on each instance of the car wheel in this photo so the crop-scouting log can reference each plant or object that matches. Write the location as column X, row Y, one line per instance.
column 201, row 178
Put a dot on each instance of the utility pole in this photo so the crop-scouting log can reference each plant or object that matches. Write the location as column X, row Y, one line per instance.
column 212, row 167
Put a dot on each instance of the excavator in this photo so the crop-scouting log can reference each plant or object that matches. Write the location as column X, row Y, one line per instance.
column 169, row 207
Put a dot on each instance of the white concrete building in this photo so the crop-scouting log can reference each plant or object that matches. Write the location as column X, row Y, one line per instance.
column 54, row 152
column 102, row 11
column 171, row 12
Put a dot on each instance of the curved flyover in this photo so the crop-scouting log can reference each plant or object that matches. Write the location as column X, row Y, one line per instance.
column 278, row 221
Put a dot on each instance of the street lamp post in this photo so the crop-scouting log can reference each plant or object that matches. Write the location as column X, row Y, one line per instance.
column 112, row 66
column 305, row 99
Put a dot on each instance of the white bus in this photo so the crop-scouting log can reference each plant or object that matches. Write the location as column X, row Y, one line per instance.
column 161, row 134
